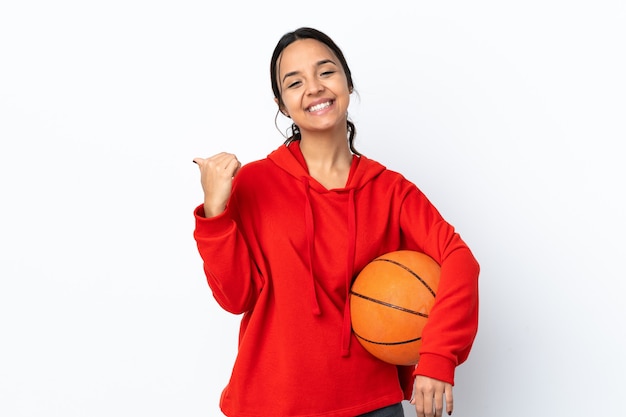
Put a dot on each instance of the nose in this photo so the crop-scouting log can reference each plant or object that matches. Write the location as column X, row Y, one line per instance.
column 314, row 86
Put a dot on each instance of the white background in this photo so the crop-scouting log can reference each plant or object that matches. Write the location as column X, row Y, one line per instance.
column 508, row 115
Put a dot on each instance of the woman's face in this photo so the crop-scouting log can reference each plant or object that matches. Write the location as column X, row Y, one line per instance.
column 313, row 86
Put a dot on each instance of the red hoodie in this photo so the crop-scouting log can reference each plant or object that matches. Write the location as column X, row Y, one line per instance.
column 284, row 253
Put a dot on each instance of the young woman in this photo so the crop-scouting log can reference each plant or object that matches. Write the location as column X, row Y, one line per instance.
column 283, row 237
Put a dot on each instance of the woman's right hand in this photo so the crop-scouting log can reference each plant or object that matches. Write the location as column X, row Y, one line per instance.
column 216, row 175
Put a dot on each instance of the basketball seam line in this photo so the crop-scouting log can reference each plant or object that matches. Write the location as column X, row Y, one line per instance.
column 386, row 304
column 410, row 271
column 386, row 343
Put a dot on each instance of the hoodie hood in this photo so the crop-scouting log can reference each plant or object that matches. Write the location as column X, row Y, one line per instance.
column 362, row 171
column 290, row 158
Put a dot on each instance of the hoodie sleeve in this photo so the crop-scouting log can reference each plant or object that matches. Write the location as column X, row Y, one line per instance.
column 453, row 321
column 230, row 270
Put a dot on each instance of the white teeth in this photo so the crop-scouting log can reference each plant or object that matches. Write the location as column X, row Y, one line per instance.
column 319, row 107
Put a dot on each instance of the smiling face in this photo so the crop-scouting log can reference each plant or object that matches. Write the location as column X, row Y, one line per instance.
column 313, row 86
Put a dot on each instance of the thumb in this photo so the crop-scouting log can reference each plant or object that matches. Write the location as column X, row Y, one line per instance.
column 198, row 161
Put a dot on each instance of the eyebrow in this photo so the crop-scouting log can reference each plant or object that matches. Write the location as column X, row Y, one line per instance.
column 318, row 63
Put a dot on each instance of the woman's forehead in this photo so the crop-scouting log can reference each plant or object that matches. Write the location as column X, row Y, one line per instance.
column 304, row 53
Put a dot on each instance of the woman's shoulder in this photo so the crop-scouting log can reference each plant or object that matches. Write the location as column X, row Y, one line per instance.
column 393, row 179
column 385, row 172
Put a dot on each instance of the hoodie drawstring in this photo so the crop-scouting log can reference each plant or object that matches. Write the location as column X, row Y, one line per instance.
column 310, row 236
column 346, row 328
column 346, row 332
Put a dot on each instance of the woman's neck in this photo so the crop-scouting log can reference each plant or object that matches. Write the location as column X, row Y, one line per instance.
column 328, row 159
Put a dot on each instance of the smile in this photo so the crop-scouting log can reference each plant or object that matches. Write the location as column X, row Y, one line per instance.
column 320, row 106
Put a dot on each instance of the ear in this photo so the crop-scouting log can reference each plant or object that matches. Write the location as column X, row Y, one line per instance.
column 281, row 108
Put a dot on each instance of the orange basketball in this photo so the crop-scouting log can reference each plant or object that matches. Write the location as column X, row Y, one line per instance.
column 390, row 301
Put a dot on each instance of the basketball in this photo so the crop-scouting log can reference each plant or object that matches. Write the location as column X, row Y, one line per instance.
column 390, row 301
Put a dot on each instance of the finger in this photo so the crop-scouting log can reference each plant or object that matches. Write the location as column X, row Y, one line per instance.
column 429, row 406
column 438, row 404
column 224, row 164
column 418, row 401
column 233, row 166
column 449, row 399
column 222, row 158
column 212, row 159
column 220, row 161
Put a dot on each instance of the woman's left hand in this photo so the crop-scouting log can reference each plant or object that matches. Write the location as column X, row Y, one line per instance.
column 428, row 397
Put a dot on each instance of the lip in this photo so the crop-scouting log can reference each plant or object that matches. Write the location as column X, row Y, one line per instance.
column 318, row 102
